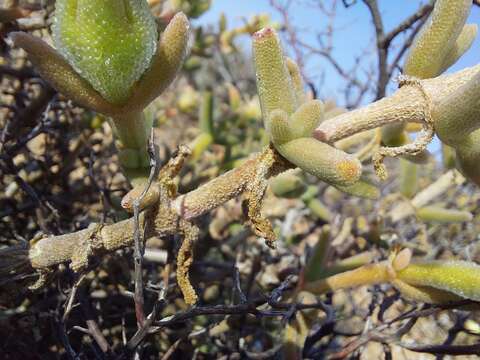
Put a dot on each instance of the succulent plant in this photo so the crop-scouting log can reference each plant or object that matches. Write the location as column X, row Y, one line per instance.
column 118, row 73
column 290, row 120
column 110, row 45
column 440, row 43
column 110, row 59
column 460, row 278
column 424, row 281
column 288, row 186
column 441, row 40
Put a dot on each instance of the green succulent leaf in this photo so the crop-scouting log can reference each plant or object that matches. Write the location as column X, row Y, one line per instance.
column 363, row 188
column 394, row 135
column 408, row 178
column 461, row 46
column 288, row 186
column 425, row 294
column 274, row 84
column 167, row 61
column 110, row 43
column 279, row 127
column 297, row 80
column 290, row 120
column 329, row 164
column 59, row 74
column 458, row 114
column 306, row 118
column 461, row 278
column 437, row 37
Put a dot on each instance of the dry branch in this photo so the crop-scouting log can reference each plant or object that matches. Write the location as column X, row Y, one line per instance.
column 406, row 105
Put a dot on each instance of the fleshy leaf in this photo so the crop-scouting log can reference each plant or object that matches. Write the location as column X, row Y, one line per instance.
column 461, row 278
column 394, row 135
column 279, row 127
column 442, row 215
column 428, row 281
column 306, row 118
column 365, row 275
column 166, row 63
column 437, row 37
column 363, row 188
column 458, row 114
column 59, row 74
column 347, row 264
column 461, row 46
column 297, row 80
column 322, row 160
column 274, row 84
column 288, row 186
column 289, row 124
column 408, row 178
column 425, row 294
column 110, row 43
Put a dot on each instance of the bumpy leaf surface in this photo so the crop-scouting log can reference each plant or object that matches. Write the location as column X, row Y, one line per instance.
column 110, row 43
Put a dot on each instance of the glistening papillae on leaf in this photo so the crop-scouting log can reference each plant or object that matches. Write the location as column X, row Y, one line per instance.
column 306, row 118
column 297, row 81
column 60, row 74
column 110, row 43
column 165, row 64
column 322, row 160
column 112, row 71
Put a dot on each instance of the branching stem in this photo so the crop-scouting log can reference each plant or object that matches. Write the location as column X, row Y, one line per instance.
column 406, row 105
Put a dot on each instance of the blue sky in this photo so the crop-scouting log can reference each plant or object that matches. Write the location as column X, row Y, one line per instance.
column 354, row 34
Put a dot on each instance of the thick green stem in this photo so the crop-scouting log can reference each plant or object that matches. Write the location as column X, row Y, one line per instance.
column 132, row 131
